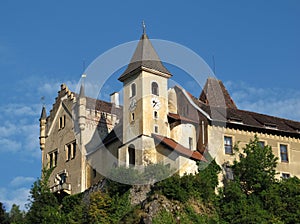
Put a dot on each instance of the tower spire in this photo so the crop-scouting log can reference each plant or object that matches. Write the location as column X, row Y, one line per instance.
column 144, row 27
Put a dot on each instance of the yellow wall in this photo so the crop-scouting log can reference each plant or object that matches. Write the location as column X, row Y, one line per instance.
column 243, row 137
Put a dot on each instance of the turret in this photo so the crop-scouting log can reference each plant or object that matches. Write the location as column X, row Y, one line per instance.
column 43, row 121
column 82, row 108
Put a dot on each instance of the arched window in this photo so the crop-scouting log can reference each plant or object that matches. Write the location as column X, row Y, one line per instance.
column 133, row 89
column 131, row 153
column 154, row 88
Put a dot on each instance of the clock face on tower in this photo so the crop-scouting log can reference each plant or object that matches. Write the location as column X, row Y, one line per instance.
column 132, row 105
column 155, row 103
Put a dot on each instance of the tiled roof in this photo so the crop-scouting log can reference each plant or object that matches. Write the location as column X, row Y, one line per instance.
column 215, row 94
column 100, row 105
column 234, row 116
column 171, row 144
column 144, row 56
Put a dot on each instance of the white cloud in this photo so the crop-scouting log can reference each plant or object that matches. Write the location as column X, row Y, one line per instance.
column 279, row 102
column 50, row 88
column 9, row 145
column 21, row 109
column 19, row 181
column 17, row 196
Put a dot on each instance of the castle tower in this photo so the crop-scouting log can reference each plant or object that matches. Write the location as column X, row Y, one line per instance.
column 145, row 109
column 43, row 121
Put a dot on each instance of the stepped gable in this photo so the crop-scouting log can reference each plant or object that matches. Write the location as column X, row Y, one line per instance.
column 63, row 92
column 144, row 57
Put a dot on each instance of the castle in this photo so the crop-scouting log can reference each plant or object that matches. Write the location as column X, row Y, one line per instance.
column 154, row 125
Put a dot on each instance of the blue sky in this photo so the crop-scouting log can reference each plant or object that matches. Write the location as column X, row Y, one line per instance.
column 255, row 44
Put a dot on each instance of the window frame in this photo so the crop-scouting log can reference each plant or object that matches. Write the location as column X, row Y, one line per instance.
column 71, row 150
column 190, row 143
column 154, row 89
column 155, row 114
column 285, row 175
column 131, row 155
column 133, row 90
column 284, row 154
column 52, row 158
column 156, row 129
column 228, row 145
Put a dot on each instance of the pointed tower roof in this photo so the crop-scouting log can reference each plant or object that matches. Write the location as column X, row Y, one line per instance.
column 81, row 92
column 211, row 94
column 144, row 57
column 43, row 114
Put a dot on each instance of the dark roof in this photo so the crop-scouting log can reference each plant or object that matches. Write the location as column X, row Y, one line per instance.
column 234, row 116
column 43, row 114
column 171, row 144
column 215, row 94
column 177, row 117
column 116, row 133
column 103, row 106
column 144, row 56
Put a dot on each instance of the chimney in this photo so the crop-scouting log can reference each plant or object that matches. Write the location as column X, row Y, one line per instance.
column 114, row 99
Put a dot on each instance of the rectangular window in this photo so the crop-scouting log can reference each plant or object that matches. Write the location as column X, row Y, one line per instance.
column 70, row 151
column 285, row 175
column 155, row 114
column 63, row 178
column 228, row 145
column 62, row 122
column 52, row 159
column 284, row 153
column 155, row 128
column 261, row 144
column 190, row 143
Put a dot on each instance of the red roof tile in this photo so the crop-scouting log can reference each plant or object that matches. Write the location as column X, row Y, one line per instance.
column 170, row 143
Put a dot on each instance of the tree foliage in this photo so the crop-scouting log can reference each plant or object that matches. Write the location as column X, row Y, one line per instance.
column 255, row 195
column 44, row 206
column 16, row 216
column 3, row 215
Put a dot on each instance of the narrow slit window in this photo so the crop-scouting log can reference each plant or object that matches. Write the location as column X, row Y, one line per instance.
column 133, row 89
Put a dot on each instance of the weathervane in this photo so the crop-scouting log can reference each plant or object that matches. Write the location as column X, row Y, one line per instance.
column 43, row 100
column 144, row 27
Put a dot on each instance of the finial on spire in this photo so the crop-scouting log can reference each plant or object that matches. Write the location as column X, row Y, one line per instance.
column 43, row 100
column 144, row 27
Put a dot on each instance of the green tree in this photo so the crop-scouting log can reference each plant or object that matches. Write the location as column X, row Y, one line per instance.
column 44, row 206
column 245, row 199
column 16, row 216
column 3, row 215
column 99, row 210
column 256, row 169
column 74, row 209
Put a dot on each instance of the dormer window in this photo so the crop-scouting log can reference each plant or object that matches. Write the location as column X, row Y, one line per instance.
column 154, row 88
column 235, row 120
column 133, row 90
column 270, row 126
